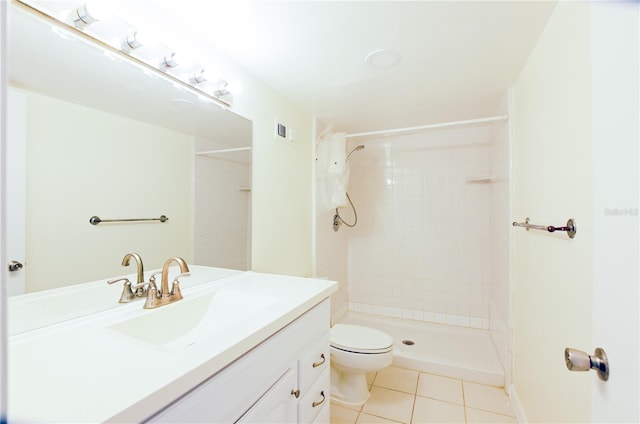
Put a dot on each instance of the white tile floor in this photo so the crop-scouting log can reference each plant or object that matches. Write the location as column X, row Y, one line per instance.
column 407, row 396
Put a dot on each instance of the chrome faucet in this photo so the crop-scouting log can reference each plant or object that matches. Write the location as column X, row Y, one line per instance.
column 127, row 293
column 163, row 297
column 138, row 259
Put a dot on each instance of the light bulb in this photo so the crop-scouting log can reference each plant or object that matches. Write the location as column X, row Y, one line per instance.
column 93, row 11
column 205, row 76
column 174, row 60
column 136, row 40
column 100, row 10
column 234, row 87
column 225, row 88
column 198, row 77
column 169, row 61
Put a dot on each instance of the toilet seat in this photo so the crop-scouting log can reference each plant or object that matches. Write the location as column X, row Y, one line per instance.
column 359, row 339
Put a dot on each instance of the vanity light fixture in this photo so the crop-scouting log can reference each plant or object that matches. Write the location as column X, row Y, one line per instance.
column 91, row 12
column 169, row 61
column 175, row 60
column 133, row 41
column 225, row 88
column 121, row 40
column 222, row 90
column 198, row 78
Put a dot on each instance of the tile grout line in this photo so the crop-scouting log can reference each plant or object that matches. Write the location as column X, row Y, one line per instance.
column 413, row 409
column 415, row 397
column 464, row 402
column 465, row 406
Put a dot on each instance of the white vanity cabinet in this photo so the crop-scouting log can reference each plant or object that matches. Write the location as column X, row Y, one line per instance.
column 284, row 379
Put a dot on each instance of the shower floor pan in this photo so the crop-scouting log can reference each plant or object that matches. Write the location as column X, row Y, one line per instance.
column 451, row 351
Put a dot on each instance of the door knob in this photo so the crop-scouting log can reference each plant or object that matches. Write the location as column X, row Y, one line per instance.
column 578, row 360
column 15, row 266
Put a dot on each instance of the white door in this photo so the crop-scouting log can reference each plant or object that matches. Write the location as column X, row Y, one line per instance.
column 15, row 191
column 616, row 120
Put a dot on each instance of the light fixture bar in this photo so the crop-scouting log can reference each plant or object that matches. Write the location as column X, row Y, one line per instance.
column 122, row 54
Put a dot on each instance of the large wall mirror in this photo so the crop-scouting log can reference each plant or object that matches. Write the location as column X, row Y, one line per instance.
column 91, row 133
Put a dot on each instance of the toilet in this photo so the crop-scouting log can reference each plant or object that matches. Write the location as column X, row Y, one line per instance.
column 356, row 351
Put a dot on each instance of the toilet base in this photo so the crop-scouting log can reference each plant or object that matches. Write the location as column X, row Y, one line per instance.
column 348, row 389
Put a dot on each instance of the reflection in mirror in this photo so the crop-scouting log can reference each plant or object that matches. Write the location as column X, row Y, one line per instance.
column 91, row 134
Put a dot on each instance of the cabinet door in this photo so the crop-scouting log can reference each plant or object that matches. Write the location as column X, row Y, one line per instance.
column 313, row 362
column 277, row 405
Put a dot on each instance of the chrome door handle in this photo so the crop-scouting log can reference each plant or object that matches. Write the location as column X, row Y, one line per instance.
column 577, row 360
column 15, row 266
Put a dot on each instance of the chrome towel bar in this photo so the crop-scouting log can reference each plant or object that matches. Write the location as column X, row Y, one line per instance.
column 570, row 228
column 94, row 220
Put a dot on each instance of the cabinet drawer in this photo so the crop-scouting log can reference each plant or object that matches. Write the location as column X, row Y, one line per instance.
column 324, row 416
column 315, row 398
column 313, row 361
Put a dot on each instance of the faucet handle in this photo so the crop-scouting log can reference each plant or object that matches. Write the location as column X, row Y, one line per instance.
column 184, row 274
column 127, row 294
column 154, row 275
column 151, row 291
column 175, row 287
column 152, row 284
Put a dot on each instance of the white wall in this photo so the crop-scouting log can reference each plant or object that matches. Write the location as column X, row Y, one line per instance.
column 422, row 247
column 282, row 199
column 615, row 50
column 553, row 181
column 84, row 162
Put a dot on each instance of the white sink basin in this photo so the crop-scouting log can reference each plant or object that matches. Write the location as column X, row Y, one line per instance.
column 39, row 309
column 191, row 320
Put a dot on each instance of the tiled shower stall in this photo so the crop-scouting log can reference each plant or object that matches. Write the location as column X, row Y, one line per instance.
column 421, row 249
column 433, row 232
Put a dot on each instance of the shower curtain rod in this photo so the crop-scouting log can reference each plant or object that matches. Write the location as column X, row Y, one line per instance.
column 431, row 126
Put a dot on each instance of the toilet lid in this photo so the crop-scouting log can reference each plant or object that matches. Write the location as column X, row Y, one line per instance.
column 359, row 339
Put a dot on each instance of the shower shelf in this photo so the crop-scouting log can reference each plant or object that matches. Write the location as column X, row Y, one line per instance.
column 479, row 180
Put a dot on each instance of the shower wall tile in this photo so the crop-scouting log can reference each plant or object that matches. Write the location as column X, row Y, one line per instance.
column 422, row 247
column 501, row 322
column 221, row 213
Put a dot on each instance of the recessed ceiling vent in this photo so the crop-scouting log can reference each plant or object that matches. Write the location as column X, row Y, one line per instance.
column 383, row 58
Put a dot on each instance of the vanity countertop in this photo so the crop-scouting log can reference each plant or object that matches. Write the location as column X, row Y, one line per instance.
column 84, row 370
column 35, row 310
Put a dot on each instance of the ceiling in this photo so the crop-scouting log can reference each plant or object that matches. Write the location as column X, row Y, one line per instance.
column 457, row 59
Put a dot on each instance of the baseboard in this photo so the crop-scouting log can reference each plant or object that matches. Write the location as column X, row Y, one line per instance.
column 338, row 315
column 517, row 405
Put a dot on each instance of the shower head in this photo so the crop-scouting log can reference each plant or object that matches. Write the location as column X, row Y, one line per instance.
column 359, row 147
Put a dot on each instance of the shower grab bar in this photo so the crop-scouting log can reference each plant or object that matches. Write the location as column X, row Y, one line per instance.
column 570, row 228
column 94, row 220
